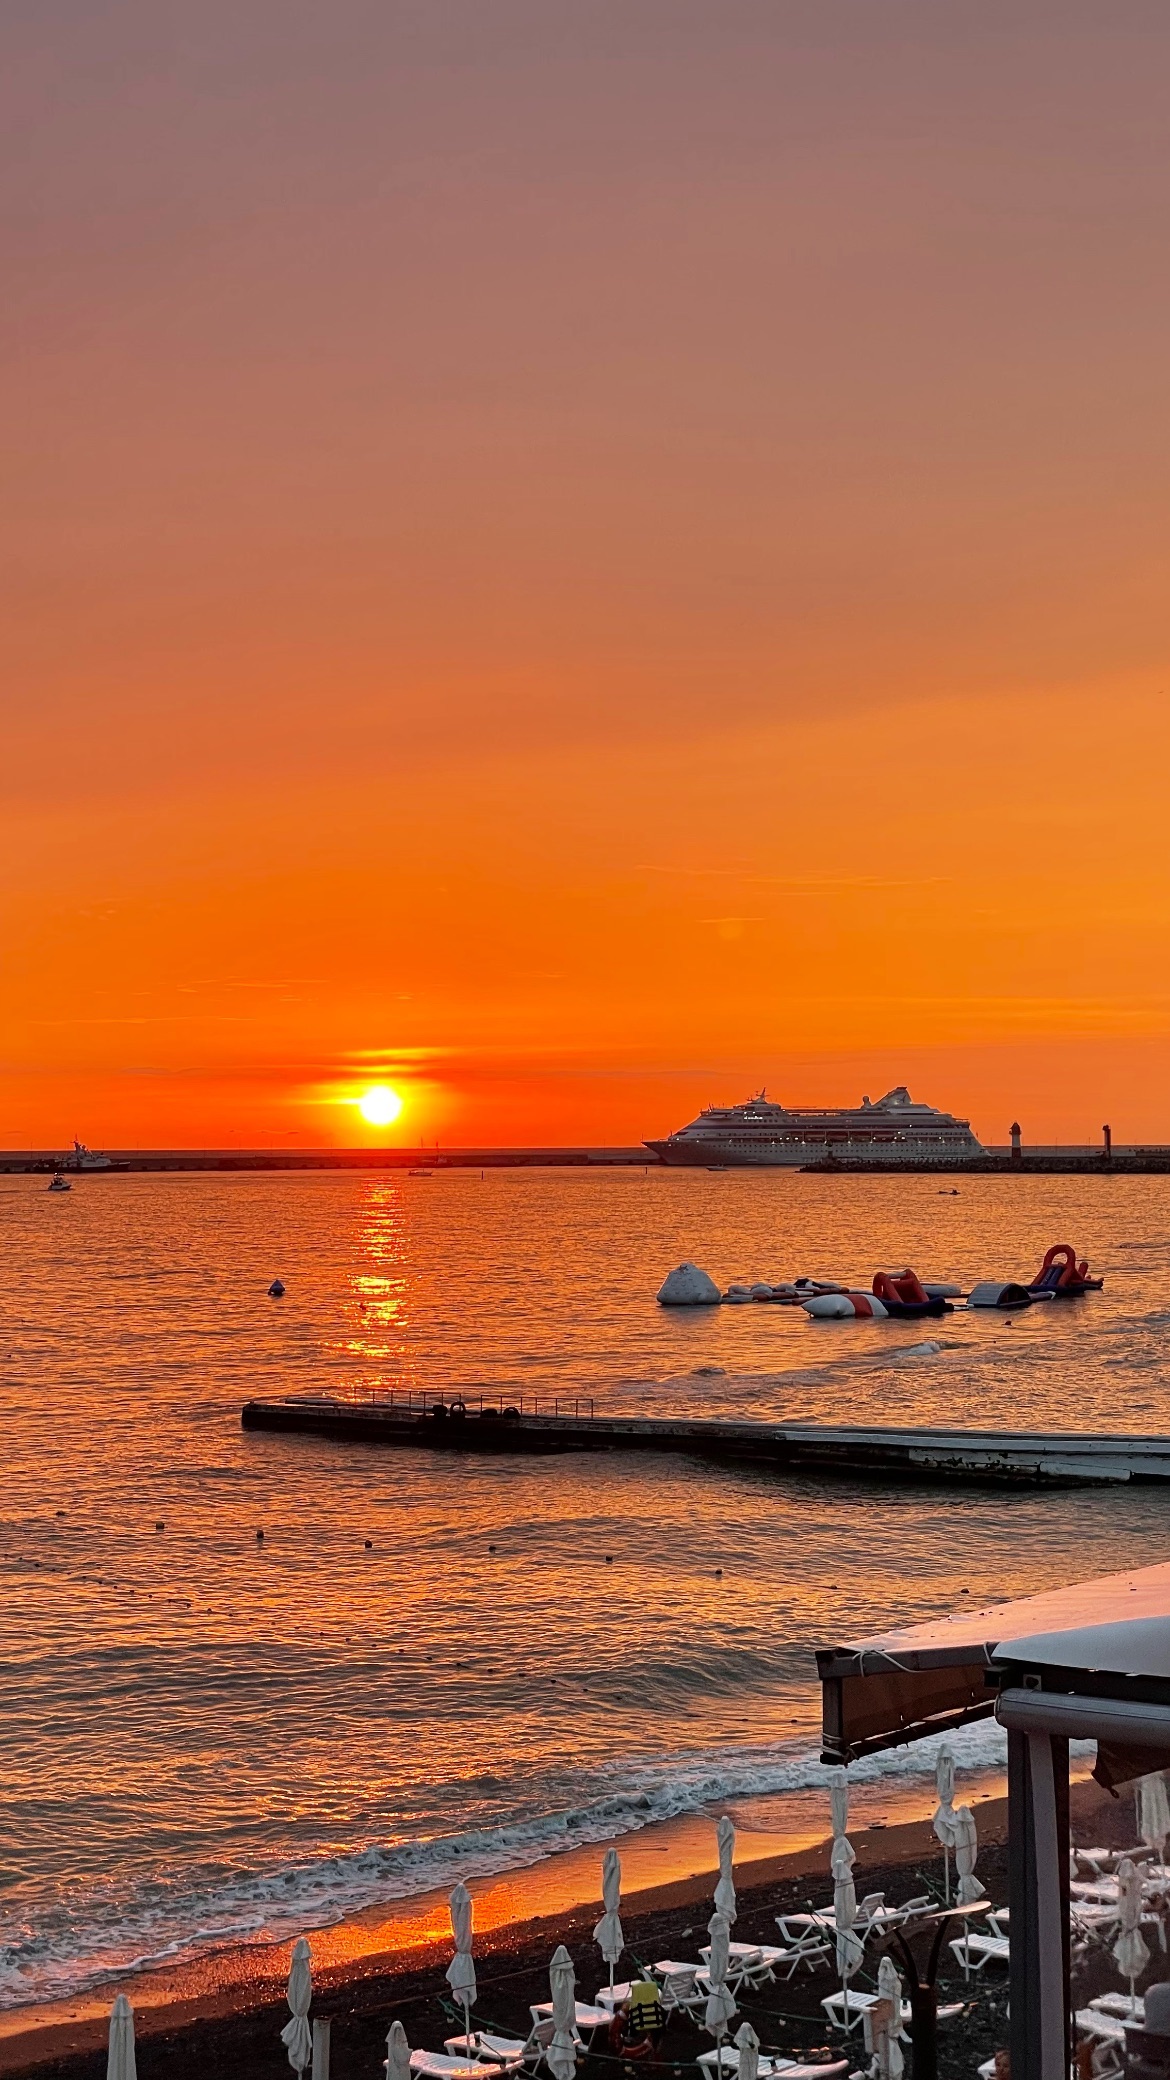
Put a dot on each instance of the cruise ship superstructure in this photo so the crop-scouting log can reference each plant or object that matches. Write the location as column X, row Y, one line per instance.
column 894, row 1130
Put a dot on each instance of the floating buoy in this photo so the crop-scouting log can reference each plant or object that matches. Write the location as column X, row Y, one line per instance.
column 687, row 1286
column 369, row 1545
column 159, row 1524
column 259, row 1538
column 276, row 1289
column 609, row 1559
column 491, row 1549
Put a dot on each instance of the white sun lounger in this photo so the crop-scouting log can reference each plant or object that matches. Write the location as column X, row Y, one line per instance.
column 976, row 1950
column 848, row 2006
column 1099, row 2028
column 725, row 2059
column 611, row 1997
column 790, row 2068
column 1120, row 2005
column 439, row 2065
column 587, row 2017
column 506, row 2054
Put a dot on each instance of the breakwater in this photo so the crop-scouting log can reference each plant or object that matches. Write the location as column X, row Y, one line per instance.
column 119, row 1161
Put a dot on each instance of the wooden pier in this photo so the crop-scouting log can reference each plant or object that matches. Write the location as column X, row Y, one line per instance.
column 1017, row 1458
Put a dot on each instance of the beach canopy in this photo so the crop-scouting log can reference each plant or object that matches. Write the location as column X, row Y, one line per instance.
column 397, row 2053
column 1154, row 1813
column 720, row 2000
column 1130, row 1950
column 748, row 2046
column 120, row 2063
column 924, row 1679
column 608, row 1933
column 562, row 2052
column 461, row 1970
column 296, row 2035
column 1089, row 1662
column 725, row 1889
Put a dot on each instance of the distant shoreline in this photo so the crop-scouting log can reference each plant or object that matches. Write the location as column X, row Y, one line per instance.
column 1136, row 1162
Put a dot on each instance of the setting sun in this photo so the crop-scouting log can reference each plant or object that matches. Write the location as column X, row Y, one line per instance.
column 380, row 1105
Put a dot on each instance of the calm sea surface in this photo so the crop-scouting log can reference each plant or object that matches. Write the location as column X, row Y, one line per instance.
column 207, row 1740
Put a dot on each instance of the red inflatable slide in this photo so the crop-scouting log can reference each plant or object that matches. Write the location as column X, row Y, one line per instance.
column 1061, row 1275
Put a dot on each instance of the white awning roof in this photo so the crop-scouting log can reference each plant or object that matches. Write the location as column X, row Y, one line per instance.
column 921, row 1679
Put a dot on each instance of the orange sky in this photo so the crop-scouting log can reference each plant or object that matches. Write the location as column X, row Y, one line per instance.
column 580, row 560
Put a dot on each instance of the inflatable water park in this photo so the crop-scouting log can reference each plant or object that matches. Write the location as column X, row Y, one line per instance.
column 893, row 1295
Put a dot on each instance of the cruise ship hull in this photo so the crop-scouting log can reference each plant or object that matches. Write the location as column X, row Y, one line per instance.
column 688, row 1155
column 797, row 1155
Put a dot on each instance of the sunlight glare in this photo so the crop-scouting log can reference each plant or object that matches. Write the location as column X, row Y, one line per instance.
column 380, row 1105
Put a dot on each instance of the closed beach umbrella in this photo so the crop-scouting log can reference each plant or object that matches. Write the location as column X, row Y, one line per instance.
column 720, row 2001
column 562, row 2052
column 839, row 1801
column 966, row 1850
column 725, row 1889
column 1154, row 1813
column 297, row 2034
column 944, row 1813
column 944, row 1783
column 883, row 2037
column 748, row 2046
column 608, row 1933
column 397, row 2054
column 850, row 1949
column 1130, row 1950
column 120, row 2060
column 461, row 1970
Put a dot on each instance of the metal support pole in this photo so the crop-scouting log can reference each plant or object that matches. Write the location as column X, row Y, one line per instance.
column 1038, row 1897
column 321, row 2050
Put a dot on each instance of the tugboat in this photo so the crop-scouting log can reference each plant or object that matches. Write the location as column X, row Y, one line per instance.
column 83, row 1158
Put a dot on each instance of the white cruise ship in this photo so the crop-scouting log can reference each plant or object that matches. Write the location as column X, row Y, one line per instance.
column 894, row 1130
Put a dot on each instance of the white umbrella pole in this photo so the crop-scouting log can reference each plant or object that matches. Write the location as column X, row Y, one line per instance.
column 947, row 1873
column 467, row 2023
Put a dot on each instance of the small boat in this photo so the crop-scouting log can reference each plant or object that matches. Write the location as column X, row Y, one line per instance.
column 60, row 1184
column 419, row 1173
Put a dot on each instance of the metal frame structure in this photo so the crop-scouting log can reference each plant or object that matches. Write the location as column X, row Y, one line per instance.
column 1090, row 1661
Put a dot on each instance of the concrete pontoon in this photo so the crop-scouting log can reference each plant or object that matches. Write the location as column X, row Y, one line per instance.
column 1017, row 1458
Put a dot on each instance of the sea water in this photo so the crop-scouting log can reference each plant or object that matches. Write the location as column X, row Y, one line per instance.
column 208, row 1738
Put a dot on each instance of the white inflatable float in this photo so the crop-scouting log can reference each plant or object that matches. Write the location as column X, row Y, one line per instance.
column 689, row 1287
column 835, row 1307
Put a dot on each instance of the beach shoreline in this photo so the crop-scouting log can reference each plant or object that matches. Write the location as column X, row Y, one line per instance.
column 224, row 2014
column 251, row 1983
